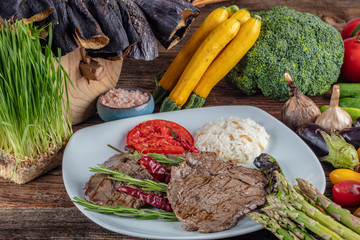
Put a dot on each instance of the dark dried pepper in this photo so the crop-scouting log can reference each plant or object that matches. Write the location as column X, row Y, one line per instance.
column 146, row 48
column 184, row 143
column 86, row 28
column 63, row 37
column 152, row 199
column 107, row 28
column 155, row 169
column 9, row 8
column 167, row 17
column 110, row 19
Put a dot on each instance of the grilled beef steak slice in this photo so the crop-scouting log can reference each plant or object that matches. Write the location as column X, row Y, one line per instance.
column 102, row 191
column 210, row 195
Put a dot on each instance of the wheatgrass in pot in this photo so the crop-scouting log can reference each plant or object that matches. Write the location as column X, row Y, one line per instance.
column 33, row 97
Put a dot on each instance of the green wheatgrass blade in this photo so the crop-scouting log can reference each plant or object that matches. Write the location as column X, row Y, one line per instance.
column 145, row 184
column 33, row 94
column 127, row 211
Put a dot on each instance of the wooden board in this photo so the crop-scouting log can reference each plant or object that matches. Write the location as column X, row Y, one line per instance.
column 84, row 93
column 42, row 209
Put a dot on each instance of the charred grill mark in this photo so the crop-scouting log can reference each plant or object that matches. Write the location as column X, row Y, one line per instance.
column 209, row 195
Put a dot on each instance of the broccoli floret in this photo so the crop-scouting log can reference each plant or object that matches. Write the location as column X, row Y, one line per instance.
column 310, row 50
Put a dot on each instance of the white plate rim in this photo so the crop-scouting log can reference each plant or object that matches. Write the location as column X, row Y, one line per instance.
column 231, row 109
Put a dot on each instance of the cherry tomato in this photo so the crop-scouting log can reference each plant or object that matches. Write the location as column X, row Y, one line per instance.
column 347, row 193
column 349, row 28
column 154, row 136
column 350, row 69
column 341, row 174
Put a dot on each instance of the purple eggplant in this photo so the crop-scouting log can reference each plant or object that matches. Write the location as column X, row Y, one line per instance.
column 311, row 135
column 352, row 136
column 330, row 148
column 356, row 123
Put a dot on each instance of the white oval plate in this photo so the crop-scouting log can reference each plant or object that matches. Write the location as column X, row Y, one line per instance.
column 88, row 147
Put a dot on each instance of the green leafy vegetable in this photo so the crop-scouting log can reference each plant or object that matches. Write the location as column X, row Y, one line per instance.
column 298, row 43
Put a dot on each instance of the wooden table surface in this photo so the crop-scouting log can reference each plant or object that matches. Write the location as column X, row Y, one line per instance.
column 42, row 209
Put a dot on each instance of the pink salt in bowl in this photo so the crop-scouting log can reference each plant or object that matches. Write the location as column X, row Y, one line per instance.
column 124, row 102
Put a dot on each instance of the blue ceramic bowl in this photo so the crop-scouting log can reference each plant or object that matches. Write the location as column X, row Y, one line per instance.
column 107, row 113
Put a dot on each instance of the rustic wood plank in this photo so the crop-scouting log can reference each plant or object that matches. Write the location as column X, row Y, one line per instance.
column 42, row 209
column 30, row 224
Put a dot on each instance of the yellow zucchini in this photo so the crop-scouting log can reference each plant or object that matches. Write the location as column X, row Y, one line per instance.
column 243, row 15
column 232, row 9
column 173, row 73
column 202, row 58
column 229, row 57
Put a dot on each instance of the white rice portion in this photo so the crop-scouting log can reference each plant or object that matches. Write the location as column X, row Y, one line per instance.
column 233, row 138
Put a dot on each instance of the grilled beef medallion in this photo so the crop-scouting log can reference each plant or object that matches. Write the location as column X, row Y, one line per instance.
column 210, row 195
column 102, row 191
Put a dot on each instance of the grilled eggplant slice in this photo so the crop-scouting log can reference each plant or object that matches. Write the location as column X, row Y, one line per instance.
column 269, row 166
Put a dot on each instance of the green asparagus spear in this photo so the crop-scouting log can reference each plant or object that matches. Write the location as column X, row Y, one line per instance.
column 127, row 211
column 309, row 200
column 287, row 223
column 342, row 215
column 301, row 218
column 298, row 201
column 268, row 166
column 145, row 184
column 271, row 225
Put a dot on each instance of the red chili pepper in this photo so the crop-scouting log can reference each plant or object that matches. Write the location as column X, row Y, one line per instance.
column 152, row 199
column 347, row 193
column 155, row 169
column 184, row 143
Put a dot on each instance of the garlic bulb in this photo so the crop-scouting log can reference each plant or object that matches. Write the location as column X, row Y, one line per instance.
column 334, row 118
column 299, row 109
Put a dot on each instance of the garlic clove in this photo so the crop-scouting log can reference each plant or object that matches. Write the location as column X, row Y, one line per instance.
column 298, row 109
column 334, row 118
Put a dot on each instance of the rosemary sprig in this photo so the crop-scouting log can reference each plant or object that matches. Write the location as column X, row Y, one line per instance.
column 145, row 184
column 122, row 211
column 161, row 158
column 116, row 149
